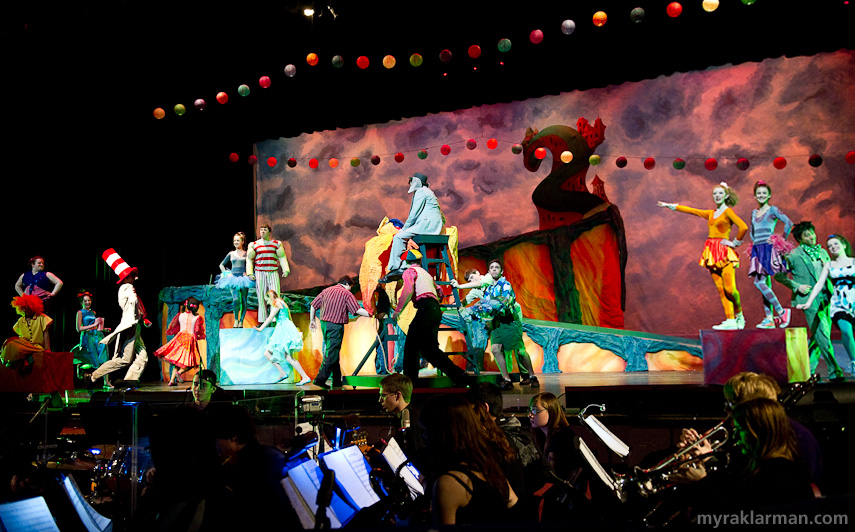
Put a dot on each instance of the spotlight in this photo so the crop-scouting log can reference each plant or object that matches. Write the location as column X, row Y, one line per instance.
column 308, row 11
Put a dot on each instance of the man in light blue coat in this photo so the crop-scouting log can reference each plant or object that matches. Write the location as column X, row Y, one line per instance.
column 425, row 218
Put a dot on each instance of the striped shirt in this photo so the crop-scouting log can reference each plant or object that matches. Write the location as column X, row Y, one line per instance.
column 265, row 255
column 335, row 303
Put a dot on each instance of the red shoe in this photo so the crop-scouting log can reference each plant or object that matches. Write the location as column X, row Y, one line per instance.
column 783, row 319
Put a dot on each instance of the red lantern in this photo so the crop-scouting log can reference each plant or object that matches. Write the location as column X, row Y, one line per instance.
column 540, row 153
column 271, row 162
column 264, row 81
column 711, row 164
column 234, row 157
column 313, row 163
column 445, row 149
column 252, row 159
column 620, row 162
column 492, row 143
column 536, row 37
column 292, row 162
column 674, row 9
column 742, row 163
column 649, row 163
column 474, row 51
column 850, row 157
column 362, row 62
column 780, row 163
column 399, row 157
column 222, row 97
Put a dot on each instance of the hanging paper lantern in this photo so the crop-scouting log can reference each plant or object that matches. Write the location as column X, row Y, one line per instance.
column 678, row 164
column 445, row 56
column 362, row 62
column 389, row 61
column 474, row 51
column 312, row 59
column 516, row 149
column 290, row 70
column 337, row 61
column 600, row 18
column 594, row 160
column 264, row 82
column 200, row 104
column 780, row 163
column 748, row 2
column 711, row 164
column 568, row 27
column 492, row 143
column 252, row 159
column 540, row 153
column 399, row 157
column 422, row 154
column 375, row 160
column 636, row 15
column 313, row 163
column 222, row 97
column 333, row 163
column 620, row 162
column 566, row 156
column 159, row 113
column 815, row 160
column 445, row 149
column 850, row 157
column 354, row 162
column 536, row 37
column 504, row 45
column 649, row 163
column 292, row 162
column 243, row 90
column 742, row 163
column 416, row 60
column 674, row 9
column 271, row 162
column 471, row 144
column 234, row 157
column 710, row 5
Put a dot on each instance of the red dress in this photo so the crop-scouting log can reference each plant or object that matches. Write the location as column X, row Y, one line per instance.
column 183, row 349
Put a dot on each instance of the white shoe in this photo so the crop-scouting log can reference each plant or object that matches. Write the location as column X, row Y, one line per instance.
column 740, row 321
column 727, row 325
column 303, row 382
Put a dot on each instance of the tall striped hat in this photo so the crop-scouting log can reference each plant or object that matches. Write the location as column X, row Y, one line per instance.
column 122, row 268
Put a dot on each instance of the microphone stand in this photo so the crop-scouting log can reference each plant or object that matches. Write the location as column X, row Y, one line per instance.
column 325, row 491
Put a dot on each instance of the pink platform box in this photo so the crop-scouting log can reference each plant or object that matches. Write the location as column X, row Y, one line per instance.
column 780, row 353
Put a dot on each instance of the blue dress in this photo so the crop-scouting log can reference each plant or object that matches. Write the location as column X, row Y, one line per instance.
column 236, row 277
column 89, row 350
column 286, row 337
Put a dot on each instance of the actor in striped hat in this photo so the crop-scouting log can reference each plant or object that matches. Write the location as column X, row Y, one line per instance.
column 263, row 257
column 128, row 349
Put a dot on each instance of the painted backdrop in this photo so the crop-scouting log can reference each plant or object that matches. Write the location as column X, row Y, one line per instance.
column 791, row 107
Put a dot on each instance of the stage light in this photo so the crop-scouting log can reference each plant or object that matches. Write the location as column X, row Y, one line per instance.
column 95, row 451
column 308, row 11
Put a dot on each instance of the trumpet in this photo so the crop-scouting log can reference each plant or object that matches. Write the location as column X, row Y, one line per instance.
column 647, row 482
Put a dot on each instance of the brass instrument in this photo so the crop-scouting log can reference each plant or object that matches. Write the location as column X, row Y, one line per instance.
column 647, row 482
column 795, row 391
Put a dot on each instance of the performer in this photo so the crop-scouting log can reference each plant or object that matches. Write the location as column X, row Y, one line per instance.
column 286, row 339
column 841, row 270
column 425, row 218
column 502, row 315
column 422, row 337
column 262, row 259
column 767, row 254
column 129, row 349
column 335, row 303
column 719, row 256
column 235, row 279
column 806, row 262
column 182, row 352
column 38, row 282
column 32, row 331
column 89, row 351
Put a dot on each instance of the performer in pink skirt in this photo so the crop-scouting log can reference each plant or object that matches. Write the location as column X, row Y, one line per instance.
column 183, row 350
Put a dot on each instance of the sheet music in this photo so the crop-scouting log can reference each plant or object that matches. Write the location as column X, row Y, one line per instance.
column 301, row 485
column 351, row 473
column 92, row 520
column 29, row 515
column 595, row 464
column 613, row 442
column 395, row 456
